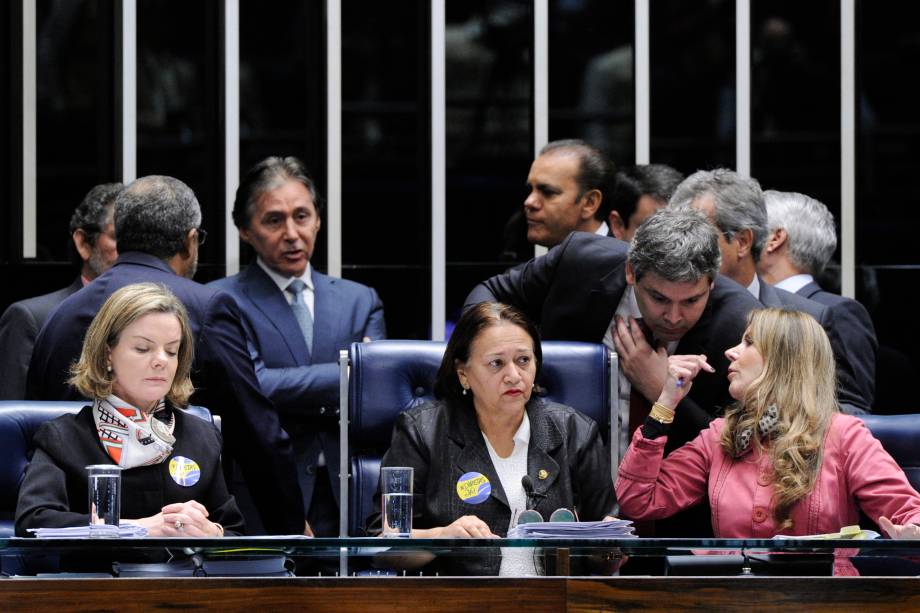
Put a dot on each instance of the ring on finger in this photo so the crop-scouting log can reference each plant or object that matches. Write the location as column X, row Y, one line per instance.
column 178, row 524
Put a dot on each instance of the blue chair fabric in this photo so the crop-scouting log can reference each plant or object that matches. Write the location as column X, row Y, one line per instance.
column 900, row 436
column 19, row 420
column 392, row 376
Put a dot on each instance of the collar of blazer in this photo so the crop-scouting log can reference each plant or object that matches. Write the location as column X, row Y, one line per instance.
column 545, row 438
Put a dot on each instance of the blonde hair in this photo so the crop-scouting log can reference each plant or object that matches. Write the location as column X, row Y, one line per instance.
column 90, row 374
column 799, row 378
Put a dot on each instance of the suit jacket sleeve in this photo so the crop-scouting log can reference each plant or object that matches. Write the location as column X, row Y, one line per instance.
column 18, row 330
column 43, row 500
column 288, row 387
column 251, row 422
column 376, row 328
column 859, row 348
column 525, row 286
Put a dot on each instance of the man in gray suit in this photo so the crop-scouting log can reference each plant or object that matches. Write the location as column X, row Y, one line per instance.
column 93, row 234
column 735, row 205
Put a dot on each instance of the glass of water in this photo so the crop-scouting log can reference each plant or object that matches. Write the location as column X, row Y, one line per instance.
column 104, row 497
column 396, row 486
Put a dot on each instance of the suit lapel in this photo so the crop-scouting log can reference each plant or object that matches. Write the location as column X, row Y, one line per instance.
column 474, row 457
column 266, row 297
column 325, row 318
column 604, row 299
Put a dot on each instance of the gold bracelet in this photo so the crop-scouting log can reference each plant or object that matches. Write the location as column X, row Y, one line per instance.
column 661, row 413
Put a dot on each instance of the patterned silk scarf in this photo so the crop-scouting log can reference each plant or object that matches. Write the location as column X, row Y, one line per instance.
column 766, row 426
column 131, row 437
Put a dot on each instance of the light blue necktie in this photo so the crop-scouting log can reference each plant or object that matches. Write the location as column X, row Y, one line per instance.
column 301, row 312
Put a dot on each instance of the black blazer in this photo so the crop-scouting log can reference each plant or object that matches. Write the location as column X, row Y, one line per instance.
column 573, row 291
column 854, row 393
column 854, row 325
column 54, row 491
column 441, row 443
column 18, row 328
column 223, row 375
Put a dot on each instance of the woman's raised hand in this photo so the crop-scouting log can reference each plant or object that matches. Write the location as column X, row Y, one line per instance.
column 682, row 369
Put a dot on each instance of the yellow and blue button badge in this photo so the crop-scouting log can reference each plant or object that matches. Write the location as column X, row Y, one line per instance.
column 474, row 488
column 184, row 471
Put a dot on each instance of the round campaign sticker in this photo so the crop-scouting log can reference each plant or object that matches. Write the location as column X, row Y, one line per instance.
column 474, row 488
column 184, row 471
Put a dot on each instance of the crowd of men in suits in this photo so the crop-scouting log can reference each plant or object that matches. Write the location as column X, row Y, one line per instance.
column 627, row 267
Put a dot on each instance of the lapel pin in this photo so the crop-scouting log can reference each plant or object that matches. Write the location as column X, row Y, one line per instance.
column 542, row 474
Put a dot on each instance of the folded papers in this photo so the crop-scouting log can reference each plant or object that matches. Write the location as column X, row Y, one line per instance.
column 126, row 530
column 611, row 529
column 847, row 532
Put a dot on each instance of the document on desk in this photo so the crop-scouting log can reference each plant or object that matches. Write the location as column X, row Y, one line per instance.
column 125, row 530
column 847, row 532
column 612, row 529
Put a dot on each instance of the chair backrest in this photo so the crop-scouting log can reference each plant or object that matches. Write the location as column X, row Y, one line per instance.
column 899, row 435
column 19, row 420
column 389, row 377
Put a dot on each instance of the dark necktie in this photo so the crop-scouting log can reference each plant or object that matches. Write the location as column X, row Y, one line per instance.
column 639, row 407
column 301, row 312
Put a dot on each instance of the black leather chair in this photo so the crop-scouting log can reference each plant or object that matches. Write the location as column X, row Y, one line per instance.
column 388, row 377
column 19, row 420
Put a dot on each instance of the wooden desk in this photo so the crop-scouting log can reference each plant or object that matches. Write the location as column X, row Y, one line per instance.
column 422, row 594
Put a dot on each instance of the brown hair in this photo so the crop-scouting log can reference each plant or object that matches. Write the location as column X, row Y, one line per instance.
column 90, row 374
column 470, row 325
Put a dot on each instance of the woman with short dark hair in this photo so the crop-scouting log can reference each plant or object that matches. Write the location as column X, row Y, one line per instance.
column 486, row 428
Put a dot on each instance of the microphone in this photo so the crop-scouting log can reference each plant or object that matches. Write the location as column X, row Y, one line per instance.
column 529, row 516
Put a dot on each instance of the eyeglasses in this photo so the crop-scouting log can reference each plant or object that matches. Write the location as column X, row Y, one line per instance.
column 531, row 516
column 202, row 235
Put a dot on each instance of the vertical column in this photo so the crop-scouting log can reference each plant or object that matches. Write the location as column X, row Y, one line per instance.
column 643, row 83
column 743, row 87
column 438, row 173
column 231, row 131
column 848, row 147
column 540, row 83
column 334, row 135
column 29, row 172
column 128, row 90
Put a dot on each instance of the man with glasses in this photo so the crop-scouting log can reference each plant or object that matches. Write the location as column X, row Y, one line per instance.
column 158, row 225
column 94, row 250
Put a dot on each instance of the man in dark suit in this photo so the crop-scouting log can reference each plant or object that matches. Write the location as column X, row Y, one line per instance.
column 93, row 235
column 801, row 240
column 667, row 278
column 277, row 212
column 735, row 205
column 640, row 191
column 157, row 222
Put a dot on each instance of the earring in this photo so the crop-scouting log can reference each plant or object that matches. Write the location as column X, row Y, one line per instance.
column 108, row 368
column 465, row 390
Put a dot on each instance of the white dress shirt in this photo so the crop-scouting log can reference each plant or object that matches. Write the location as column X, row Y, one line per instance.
column 516, row 561
column 282, row 282
column 794, row 283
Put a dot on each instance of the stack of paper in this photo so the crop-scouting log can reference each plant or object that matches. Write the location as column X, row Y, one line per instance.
column 125, row 530
column 613, row 529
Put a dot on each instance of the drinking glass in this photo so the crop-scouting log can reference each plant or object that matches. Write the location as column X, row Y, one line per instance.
column 396, row 486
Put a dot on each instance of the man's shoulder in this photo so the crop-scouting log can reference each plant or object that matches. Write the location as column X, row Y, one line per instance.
column 345, row 286
column 38, row 308
column 801, row 303
column 593, row 246
column 728, row 295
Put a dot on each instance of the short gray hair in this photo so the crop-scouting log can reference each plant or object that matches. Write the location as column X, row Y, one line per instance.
column 154, row 214
column 738, row 202
column 809, row 226
column 677, row 245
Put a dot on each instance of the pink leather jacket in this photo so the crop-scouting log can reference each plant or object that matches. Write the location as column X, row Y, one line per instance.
column 856, row 473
